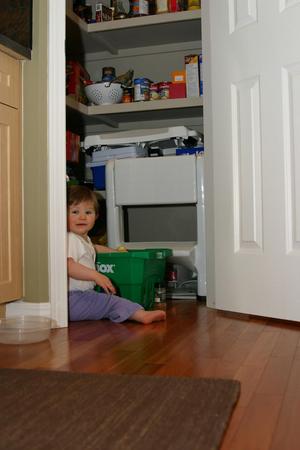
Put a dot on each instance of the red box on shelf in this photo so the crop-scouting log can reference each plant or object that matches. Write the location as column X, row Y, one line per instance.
column 177, row 90
column 76, row 76
column 103, row 13
column 72, row 146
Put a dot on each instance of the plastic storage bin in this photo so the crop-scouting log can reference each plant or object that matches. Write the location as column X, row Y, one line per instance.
column 135, row 273
column 190, row 150
column 24, row 329
column 99, row 175
column 99, row 158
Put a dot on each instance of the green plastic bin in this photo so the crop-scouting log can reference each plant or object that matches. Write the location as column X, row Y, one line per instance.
column 135, row 273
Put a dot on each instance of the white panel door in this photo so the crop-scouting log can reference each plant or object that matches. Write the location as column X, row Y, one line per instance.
column 255, row 150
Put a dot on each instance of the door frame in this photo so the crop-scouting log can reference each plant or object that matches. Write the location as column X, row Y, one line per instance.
column 57, row 249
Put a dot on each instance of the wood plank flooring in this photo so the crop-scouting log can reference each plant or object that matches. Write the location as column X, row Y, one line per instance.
column 195, row 341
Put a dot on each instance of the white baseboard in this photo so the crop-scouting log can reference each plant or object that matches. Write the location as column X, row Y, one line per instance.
column 21, row 308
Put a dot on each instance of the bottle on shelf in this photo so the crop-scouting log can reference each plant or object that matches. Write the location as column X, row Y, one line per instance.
column 161, row 6
column 152, row 7
column 160, row 293
column 193, row 4
column 174, row 5
column 139, row 8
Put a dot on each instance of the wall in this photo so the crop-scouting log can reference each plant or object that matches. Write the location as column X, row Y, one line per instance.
column 35, row 162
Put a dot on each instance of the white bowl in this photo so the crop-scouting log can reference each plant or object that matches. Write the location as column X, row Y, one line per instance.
column 24, row 329
column 104, row 93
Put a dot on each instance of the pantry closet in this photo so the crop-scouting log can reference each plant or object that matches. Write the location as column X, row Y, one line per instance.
column 152, row 47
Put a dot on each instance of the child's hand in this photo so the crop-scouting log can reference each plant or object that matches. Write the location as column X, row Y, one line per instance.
column 121, row 248
column 104, row 282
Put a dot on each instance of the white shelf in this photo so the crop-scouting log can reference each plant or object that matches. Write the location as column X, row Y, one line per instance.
column 159, row 29
column 167, row 18
column 138, row 111
column 149, row 32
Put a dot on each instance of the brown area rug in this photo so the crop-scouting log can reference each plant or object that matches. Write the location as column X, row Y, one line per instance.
column 42, row 410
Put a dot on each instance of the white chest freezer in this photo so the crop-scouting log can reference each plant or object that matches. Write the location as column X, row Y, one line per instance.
column 162, row 181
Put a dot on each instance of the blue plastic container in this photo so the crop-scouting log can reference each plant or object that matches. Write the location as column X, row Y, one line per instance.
column 189, row 150
column 99, row 176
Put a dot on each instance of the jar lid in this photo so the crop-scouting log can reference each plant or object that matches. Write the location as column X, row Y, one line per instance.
column 141, row 80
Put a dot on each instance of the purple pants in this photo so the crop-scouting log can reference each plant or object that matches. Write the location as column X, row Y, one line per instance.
column 92, row 305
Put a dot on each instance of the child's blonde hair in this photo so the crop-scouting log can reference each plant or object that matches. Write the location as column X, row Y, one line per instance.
column 77, row 194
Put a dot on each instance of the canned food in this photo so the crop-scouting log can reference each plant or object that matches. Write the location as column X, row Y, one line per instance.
column 164, row 90
column 127, row 95
column 174, row 5
column 141, row 89
column 154, row 93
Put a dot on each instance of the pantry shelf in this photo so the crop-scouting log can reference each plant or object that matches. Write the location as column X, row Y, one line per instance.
column 155, row 30
column 138, row 111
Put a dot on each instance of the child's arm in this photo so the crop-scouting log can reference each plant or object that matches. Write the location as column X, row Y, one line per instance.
column 104, row 249
column 80, row 272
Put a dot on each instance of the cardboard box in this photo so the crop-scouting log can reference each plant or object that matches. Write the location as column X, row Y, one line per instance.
column 93, row 4
column 201, row 74
column 178, row 76
column 177, row 90
column 103, row 13
column 192, row 72
column 72, row 146
column 76, row 75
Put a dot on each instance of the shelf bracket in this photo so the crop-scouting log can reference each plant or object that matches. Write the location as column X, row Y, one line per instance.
column 106, row 44
column 109, row 121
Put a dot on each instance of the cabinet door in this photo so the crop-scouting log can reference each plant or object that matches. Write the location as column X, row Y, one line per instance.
column 9, row 80
column 11, row 261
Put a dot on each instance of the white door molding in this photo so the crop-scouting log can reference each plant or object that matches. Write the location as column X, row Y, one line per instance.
column 57, row 254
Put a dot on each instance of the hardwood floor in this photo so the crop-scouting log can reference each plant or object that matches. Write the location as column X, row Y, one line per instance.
column 195, row 341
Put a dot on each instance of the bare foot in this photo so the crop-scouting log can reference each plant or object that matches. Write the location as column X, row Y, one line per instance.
column 148, row 316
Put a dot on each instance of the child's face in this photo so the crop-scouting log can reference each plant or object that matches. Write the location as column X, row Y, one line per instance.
column 81, row 218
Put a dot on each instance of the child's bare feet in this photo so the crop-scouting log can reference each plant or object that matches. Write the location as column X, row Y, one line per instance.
column 148, row 316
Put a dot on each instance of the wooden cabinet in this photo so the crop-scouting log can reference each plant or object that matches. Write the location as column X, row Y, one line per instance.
column 11, row 260
column 9, row 81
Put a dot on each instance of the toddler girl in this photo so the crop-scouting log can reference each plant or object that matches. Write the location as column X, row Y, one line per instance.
column 84, row 302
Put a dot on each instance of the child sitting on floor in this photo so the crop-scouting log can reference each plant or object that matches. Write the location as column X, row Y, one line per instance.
column 84, row 302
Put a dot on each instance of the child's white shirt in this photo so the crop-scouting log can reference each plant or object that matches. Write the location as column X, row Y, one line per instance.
column 83, row 252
